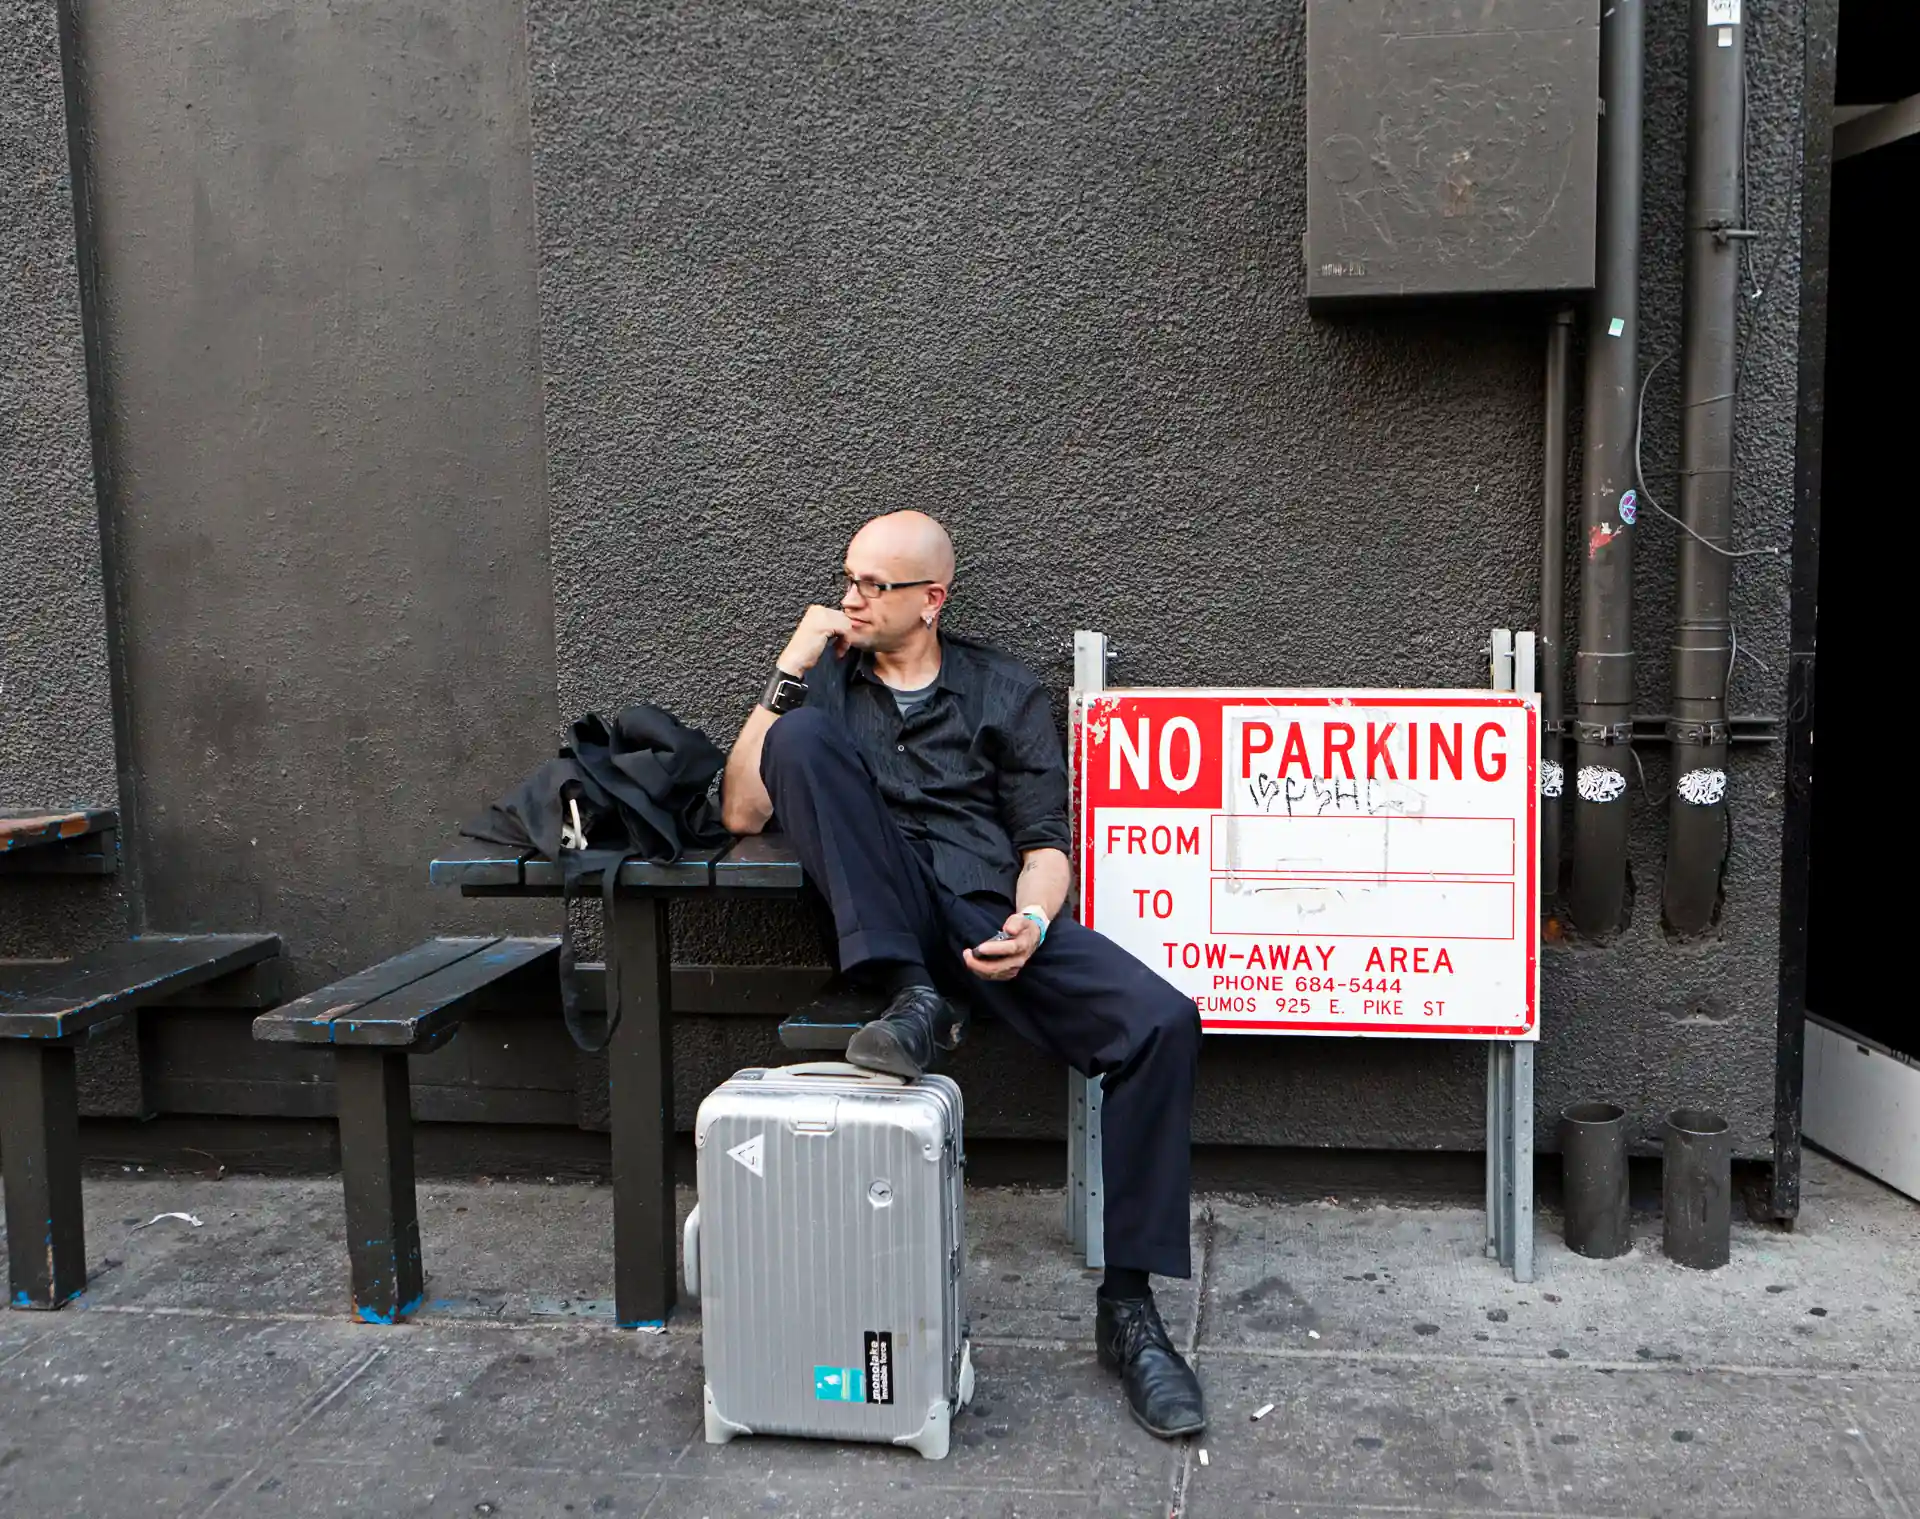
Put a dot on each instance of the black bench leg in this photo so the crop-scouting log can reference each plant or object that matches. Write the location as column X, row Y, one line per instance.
column 640, row 1073
column 376, row 1165
column 40, row 1142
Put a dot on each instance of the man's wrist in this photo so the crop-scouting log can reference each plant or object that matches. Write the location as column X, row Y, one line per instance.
column 784, row 692
column 1038, row 917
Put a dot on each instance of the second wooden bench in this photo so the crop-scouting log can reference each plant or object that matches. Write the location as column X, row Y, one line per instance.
column 373, row 1021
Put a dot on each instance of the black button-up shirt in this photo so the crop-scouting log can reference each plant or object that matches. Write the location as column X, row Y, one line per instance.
column 974, row 775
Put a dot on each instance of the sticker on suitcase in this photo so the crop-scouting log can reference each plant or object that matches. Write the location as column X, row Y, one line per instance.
column 879, row 1366
column 751, row 1153
column 871, row 1383
column 839, row 1384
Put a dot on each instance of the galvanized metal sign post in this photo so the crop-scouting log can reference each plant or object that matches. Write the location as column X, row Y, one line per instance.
column 1323, row 863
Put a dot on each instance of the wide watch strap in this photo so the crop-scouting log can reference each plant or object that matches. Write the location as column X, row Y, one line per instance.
column 784, row 692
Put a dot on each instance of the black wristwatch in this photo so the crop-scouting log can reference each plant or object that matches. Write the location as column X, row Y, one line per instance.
column 784, row 693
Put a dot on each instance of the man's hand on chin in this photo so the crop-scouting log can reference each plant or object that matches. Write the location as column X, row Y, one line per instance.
column 819, row 628
column 1000, row 959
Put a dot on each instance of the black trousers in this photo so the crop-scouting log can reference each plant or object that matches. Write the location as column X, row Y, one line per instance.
column 1081, row 997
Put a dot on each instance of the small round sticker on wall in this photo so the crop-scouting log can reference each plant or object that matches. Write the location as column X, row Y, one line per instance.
column 1629, row 507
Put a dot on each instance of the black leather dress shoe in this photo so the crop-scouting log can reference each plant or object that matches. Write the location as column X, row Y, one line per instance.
column 1162, row 1391
column 901, row 1041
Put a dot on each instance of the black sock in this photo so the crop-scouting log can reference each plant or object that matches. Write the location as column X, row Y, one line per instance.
column 895, row 976
column 1126, row 1283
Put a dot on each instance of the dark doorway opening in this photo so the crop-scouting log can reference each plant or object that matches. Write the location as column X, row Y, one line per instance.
column 1867, row 485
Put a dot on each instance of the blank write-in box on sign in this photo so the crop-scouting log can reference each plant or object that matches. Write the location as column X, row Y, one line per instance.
column 1390, row 846
column 1281, row 907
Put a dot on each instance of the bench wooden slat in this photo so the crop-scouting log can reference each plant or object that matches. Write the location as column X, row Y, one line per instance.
column 413, row 1008
column 827, row 1020
column 24, row 827
column 511, row 877
column 694, row 872
column 420, row 1011
column 115, row 980
column 252, row 986
column 344, row 997
column 759, row 862
column 24, row 981
column 87, row 854
column 476, row 872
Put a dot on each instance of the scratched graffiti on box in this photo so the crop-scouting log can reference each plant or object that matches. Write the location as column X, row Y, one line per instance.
column 1320, row 862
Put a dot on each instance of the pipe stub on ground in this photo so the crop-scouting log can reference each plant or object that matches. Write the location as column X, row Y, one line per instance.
column 1593, row 1170
column 1697, row 1189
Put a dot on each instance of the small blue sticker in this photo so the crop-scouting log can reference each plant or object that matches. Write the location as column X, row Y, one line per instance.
column 840, row 1384
column 1629, row 507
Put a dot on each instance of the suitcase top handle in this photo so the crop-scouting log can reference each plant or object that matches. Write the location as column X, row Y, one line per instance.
column 841, row 1069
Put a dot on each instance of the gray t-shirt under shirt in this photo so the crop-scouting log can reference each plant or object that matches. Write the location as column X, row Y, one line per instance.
column 906, row 701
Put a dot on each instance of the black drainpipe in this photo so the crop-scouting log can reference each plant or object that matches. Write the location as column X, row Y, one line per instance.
column 1603, row 666
column 1702, row 649
column 1553, row 614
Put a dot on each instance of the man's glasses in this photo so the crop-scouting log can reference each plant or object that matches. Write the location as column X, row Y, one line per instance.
column 872, row 588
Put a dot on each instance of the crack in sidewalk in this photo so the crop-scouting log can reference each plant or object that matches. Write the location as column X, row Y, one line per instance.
column 366, row 1364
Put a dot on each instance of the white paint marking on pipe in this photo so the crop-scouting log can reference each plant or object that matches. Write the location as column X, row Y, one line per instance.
column 1704, row 787
column 1601, row 783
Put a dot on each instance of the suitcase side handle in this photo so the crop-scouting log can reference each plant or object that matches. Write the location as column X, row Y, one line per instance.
column 690, row 1251
column 841, row 1069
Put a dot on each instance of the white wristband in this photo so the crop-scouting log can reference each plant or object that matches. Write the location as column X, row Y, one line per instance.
column 1038, row 919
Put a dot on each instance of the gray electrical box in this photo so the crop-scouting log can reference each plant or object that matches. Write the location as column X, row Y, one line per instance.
column 1452, row 146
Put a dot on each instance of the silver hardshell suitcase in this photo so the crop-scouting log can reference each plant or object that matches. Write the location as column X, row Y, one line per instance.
column 828, row 1251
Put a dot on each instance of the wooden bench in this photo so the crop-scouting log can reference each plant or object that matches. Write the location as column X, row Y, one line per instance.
column 374, row 1020
column 46, row 1012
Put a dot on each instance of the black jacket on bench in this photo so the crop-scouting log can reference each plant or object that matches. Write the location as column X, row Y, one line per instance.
column 642, row 787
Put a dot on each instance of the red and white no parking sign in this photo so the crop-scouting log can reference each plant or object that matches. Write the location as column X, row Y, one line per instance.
column 1320, row 862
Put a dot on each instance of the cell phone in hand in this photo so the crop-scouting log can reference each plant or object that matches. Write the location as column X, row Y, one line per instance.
column 1003, row 934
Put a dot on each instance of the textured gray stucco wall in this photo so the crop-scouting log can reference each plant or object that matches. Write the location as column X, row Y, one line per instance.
column 56, row 709
column 319, row 307
column 1037, row 268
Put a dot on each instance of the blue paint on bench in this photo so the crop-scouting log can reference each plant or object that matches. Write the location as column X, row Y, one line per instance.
column 375, row 1316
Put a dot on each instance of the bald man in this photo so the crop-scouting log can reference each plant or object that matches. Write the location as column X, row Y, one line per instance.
column 920, row 779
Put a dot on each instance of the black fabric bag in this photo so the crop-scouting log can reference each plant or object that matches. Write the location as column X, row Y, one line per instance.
column 638, row 789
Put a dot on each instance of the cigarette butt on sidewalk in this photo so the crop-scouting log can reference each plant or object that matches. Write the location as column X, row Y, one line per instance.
column 1261, row 1412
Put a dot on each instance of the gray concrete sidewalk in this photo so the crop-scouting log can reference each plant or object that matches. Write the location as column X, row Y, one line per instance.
column 210, row 1371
